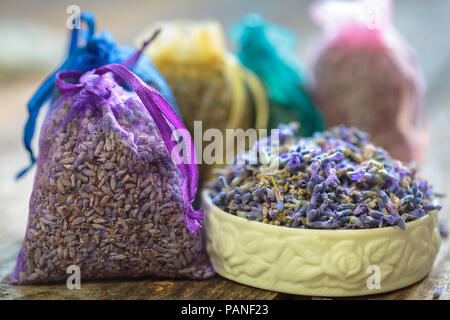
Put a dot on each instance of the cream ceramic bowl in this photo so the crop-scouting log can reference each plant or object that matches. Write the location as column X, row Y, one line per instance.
column 331, row 263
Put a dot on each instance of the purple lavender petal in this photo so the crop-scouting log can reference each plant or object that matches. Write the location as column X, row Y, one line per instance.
column 315, row 168
column 294, row 161
column 332, row 178
column 357, row 175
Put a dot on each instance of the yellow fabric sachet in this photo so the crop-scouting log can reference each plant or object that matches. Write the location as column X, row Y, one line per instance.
column 209, row 83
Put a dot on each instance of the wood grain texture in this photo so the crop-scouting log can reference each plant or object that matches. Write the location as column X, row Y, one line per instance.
column 426, row 36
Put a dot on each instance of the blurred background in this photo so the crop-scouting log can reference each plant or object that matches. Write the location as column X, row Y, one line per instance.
column 33, row 41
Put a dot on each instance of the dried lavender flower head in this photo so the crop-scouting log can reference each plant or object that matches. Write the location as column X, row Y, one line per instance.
column 336, row 179
column 107, row 196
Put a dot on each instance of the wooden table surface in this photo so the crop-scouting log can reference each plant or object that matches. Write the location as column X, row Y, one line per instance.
column 424, row 25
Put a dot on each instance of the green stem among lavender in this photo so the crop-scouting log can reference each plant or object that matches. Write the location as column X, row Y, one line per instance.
column 336, row 179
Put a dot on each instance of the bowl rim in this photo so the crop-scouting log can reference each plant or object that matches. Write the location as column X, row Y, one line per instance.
column 411, row 224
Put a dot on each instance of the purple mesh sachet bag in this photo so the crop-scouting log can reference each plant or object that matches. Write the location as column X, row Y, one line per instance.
column 110, row 194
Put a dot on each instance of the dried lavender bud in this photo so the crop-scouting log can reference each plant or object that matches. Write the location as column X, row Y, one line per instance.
column 357, row 175
column 294, row 161
column 437, row 293
column 443, row 230
column 334, row 180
